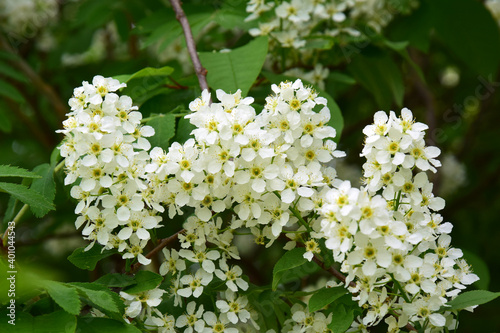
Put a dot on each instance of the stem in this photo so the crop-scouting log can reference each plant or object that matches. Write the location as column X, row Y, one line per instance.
column 401, row 290
column 398, row 199
column 59, row 166
column 201, row 72
column 157, row 249
column 15, row 220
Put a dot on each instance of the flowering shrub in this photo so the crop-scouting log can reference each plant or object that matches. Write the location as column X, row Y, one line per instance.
column 267, row 173
column 219, row 191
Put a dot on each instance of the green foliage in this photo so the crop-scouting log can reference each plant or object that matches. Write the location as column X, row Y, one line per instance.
column 235, row 69
column 65, row 296
column 104, row 325
column 100, row 296
column 116, row 280
column 9, row 91
column 379, row 74
column 45, row 185
column 471, row 33
column 144, row 280
column 88, row 259
column 342, row 319
column 164, row 126
column 13, row 171
column 39, row 205
column 55, row 322
column 146, row 83
column 289, row 260
column 471, row 298
column 166, row 33
column 325, row 296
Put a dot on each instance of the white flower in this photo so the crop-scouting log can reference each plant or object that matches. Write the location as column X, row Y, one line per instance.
column 195, row 283
column 172, row 262
column 192, row 319
column 232, row 276
column 217, row 324
column 234, row 307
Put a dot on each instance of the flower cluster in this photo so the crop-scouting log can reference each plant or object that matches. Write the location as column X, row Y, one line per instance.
column 106, row 154
column 389, row 232
column 301, row 26
column 267, row 173
column 25, row 16
column 257, row 166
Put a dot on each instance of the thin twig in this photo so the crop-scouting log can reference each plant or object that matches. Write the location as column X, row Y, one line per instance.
column 333, row 271
column 201, row 72
column 16, row 219
column 36, row 80
column 164, row 242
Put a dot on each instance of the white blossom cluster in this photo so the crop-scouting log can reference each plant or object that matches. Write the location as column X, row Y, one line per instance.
column 266, row 172
column 22, row 17
column 257, row 166
column 291, row 23
column 304, row 321
column 106, row 155
column 388, row 234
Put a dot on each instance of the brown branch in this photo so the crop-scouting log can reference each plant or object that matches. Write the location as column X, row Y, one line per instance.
column 164, row 242
column 59, row 107
column 333, row 271
column 201, row 72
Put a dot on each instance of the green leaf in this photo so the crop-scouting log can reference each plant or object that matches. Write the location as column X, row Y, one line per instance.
column 236, row 69
column 471, row 33
column 414, row 28
column 39, row 205
column 116, row 280
column 325, row 296
column 9, row 91
column 104, row 325
column 171, row 30
column 145, row 83
column 9, row 71
column 88, row 260
column 319, row 42
column 99, row 295
column 14, row 171
column 184, row 129
column 289, row 260
column 55, row 322
column 471, row 298
column 145, row 280
column 164, row 126
column 480, row 268
column 45, row 185
column 381, row 76
column 65, row 296
column 341, row 319
column 230, row 18
column 342, row 78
